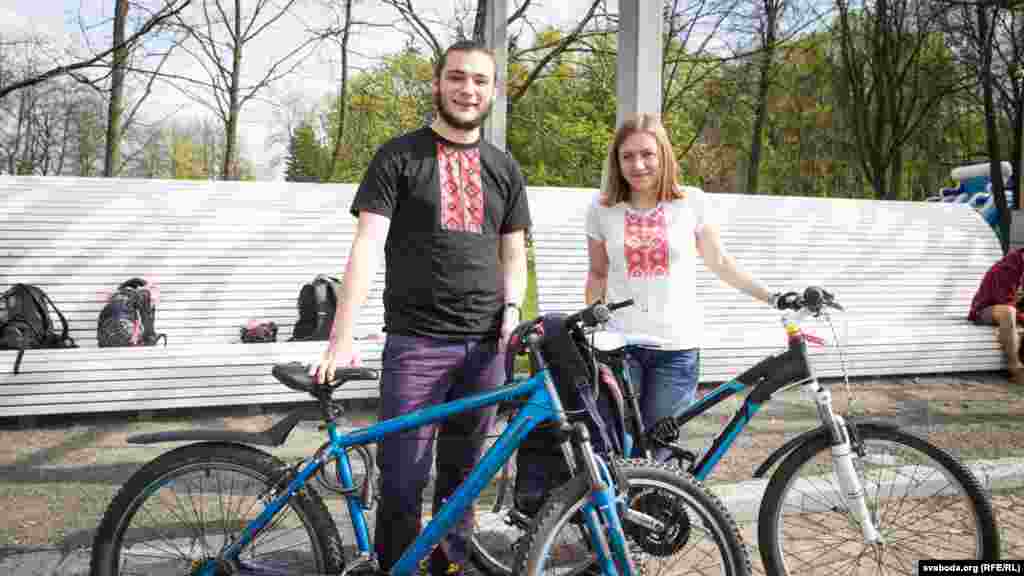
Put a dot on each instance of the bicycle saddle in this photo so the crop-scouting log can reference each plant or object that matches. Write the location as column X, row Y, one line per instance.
column 295, row 375
column 613, row 341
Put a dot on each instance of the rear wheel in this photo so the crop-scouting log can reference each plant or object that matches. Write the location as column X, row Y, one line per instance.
column 179, row 511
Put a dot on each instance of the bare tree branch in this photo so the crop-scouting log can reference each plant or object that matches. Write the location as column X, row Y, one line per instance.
column 405, row 9
column 169, row 11
column 554, row 53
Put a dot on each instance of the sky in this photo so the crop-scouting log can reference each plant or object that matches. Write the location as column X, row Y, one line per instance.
column 316, row 77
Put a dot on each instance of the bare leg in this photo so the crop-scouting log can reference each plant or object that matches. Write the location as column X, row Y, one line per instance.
column 1005, row 317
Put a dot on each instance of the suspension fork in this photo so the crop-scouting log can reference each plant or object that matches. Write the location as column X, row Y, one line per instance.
column 601, row 514
column 842, row 461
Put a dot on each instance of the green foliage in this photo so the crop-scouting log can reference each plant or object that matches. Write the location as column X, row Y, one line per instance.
column 307, row 160
column 383, row 102
column 560, row 129
column 91, row 137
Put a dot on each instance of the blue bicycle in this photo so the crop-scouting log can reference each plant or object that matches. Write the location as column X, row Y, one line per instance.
column 221, row 506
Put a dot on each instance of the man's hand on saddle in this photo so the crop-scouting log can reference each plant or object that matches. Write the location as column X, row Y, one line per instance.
column 337, row 354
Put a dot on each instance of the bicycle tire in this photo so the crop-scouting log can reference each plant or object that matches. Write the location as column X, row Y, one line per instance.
column 495, row 535
column 159, row 542
column 723, row 546
column 838, row 539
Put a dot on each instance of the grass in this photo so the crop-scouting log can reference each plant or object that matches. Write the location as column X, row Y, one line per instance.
column 529, row 310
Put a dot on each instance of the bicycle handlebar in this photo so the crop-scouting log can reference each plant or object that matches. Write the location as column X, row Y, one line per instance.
column 814, row 299
column 597, row 313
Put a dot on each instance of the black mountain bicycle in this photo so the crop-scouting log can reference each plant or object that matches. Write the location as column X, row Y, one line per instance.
column 851, row 496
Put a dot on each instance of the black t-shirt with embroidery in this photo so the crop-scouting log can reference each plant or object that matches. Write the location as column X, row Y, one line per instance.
column 449, row 204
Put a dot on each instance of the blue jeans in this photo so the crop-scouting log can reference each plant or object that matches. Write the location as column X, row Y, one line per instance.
column 418, row 372
column 666, row 381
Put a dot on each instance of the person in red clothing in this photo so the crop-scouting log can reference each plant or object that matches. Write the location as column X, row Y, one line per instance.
column 995, row 304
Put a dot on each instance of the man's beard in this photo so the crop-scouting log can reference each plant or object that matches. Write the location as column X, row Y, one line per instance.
column 454, row 122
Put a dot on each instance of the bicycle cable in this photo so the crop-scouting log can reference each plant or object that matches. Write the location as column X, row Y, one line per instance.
column 850, row 397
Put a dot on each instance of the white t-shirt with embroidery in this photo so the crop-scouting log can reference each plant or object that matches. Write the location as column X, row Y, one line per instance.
column 652, row 258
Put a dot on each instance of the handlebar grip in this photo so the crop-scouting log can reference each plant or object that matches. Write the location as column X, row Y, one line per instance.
column 597, row 313
column 813, row 297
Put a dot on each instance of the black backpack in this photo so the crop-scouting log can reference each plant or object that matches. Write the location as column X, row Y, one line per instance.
column 129, row 318
column 25, row 321
column 540, row 465
column 317, row 302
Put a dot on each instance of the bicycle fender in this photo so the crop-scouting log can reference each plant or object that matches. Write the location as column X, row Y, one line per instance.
column 798, row 441
column 273, row 436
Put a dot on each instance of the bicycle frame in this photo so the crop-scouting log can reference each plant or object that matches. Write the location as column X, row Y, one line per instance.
column 770, row 375
column 541, row 406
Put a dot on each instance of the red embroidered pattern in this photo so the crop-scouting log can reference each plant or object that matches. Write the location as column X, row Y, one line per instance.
column 462, row 199
column 646, row 245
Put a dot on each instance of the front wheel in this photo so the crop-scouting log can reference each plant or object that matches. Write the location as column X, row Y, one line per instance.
column 695, row 534
column 179, row 511
column 923, row 501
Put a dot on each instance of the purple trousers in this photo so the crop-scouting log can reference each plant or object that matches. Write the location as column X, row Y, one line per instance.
column 418, row 372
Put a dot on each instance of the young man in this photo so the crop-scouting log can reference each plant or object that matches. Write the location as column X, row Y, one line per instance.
column 451, row 213
column 995, row 303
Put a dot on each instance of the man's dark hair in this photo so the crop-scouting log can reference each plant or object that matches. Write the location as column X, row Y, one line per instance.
column 462, row 46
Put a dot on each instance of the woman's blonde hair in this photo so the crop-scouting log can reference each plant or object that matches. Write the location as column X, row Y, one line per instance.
column 616, row 187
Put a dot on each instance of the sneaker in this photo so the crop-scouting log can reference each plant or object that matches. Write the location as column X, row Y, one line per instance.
column 454, row 569
column 441, row 566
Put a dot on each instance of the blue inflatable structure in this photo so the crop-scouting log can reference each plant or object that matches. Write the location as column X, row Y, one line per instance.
column 974, row 187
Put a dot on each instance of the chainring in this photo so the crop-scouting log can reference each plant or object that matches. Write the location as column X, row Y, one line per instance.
column 667, row 509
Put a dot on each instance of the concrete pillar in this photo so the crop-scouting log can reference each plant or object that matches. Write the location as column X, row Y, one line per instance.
column 496, row 37
column 639, row 62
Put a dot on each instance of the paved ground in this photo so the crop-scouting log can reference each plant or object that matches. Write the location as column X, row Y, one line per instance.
column 58, row 474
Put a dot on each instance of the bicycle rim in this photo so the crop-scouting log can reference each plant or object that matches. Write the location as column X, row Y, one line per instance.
column 924, row 503
column 188, row 515
column 496, row 535
column 700, row 539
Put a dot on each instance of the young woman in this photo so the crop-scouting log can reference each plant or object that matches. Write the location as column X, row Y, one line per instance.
column 645, row 232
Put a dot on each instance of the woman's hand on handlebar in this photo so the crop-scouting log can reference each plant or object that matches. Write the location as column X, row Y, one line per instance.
column 785, row 300
column 814, row 298
column 597, row 313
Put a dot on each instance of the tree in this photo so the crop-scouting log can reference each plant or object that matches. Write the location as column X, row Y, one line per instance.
column 390, row 98
column 88, row 124
column 168, row 10
column 220, row 39
column 895, row 71
column 538, row 59
column 989, row 42
column 559, row 130
column 773, row 25
column 120, row 57
column 305, row 161
column 343, row 36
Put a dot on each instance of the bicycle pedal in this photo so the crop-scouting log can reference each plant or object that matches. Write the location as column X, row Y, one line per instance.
column 518, row 519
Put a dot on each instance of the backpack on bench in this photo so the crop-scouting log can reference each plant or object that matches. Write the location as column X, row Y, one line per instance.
column 25, row 322
column 317, row 302
column 129, row 317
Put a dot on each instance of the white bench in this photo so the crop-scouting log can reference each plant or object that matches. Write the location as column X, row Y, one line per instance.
column 905, row 272
column 222, row 253
column 225, row 252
